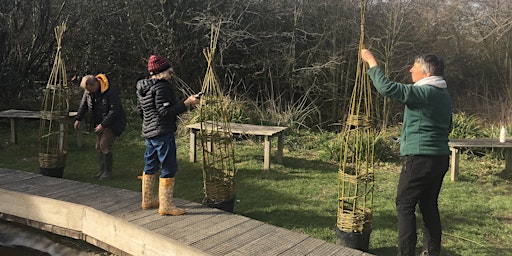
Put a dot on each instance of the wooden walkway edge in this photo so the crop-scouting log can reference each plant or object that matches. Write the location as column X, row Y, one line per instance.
column 111, row 219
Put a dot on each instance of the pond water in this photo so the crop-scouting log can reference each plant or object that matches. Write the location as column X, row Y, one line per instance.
column 21, row 240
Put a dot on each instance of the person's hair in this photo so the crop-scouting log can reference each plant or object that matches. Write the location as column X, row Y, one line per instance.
column 431, row 63
column 88, row 80
column 161, row 74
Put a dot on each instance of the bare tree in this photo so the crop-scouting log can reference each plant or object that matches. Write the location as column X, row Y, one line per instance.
column 26, row 45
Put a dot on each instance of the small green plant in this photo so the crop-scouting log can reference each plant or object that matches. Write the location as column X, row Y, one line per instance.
column 471, row 127
column 386, row 148
column 466, row 126
column 387, row 145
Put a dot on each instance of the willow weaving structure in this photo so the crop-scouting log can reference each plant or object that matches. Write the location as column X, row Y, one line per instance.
column 355, row 179
column 216, row 138
column 54, row 114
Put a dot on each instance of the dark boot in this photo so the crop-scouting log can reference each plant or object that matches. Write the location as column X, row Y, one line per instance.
column 108, row 161
column 101, row 162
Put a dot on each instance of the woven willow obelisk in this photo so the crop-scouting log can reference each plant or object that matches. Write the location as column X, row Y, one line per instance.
column 355, row 179
column 216, row 137
column 54, row 116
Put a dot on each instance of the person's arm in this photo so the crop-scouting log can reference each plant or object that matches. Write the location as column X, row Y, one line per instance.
column 139, row 107
column 166, row 103
column 115, row 107
column 82, row 109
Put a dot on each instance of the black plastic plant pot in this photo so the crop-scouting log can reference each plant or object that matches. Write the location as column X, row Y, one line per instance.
column 52, row 172
column 225, row 205
column 355, row 240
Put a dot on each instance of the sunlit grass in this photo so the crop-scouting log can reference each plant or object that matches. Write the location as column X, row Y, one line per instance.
column 300, row 194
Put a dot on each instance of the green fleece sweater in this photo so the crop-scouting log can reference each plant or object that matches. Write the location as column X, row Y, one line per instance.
column 427, row 115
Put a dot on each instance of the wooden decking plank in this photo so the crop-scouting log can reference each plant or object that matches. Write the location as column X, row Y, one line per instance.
column 227, row 234
column 66, row 188
column 46, row 186
column 15, row 176
column 234, row 243
column 193, row 216
column 304, row 247
column 132, row 211
column 135, row 207
column 153, row 216
column 62, row 190
column 81, row 194
column 135, row 198
column 29, row 185
column 154, row 221
column 35, row 184
column 180, row 202
column 269, row 244
column 215, row 229
column 138, row 216
column 126, row 211
column 99, row 196
column 161, row 222
column 328, row 249
column 117, row 198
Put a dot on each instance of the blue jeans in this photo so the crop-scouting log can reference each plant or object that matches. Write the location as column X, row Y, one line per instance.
column 420, row 183
column 161, row 151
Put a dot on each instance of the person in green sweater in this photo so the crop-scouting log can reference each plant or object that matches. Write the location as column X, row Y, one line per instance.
column 423, row 143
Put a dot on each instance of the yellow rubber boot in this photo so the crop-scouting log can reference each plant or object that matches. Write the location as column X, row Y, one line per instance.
column 148, row 198
column 165, row 193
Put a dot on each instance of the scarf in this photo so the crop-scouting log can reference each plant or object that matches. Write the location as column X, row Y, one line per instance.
column 436, row 81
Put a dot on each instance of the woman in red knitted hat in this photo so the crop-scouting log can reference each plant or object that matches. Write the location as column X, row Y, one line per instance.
column 159, row 109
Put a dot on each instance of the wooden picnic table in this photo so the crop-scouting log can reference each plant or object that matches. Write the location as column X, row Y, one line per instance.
column 15, row 114
column 457, row 144
column 246, row 129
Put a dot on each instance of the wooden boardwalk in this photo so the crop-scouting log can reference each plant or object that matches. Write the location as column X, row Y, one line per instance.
column 111, row 219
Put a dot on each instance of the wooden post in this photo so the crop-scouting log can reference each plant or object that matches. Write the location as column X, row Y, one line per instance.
column 280, row 145
column 454, row 163
column 62, row 134
column 508, row 161
column 14, row 135
column 266, row 158
column 79, row 137
column 192, row 150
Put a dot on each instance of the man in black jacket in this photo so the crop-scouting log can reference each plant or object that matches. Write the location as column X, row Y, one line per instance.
column 102, row 99
column 159, row 109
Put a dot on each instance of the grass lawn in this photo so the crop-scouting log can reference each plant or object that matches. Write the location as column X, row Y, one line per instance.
column 301, row 193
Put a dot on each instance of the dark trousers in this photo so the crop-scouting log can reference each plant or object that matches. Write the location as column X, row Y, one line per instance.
column 420, row 183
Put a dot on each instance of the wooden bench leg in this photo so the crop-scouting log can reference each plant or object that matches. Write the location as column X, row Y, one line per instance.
column 508, row 161
column 280, row 145
column 79, row 137
column 454, row 165
column 62, row 132
column 266, row 160
column 192, row 150
column 14, row 134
